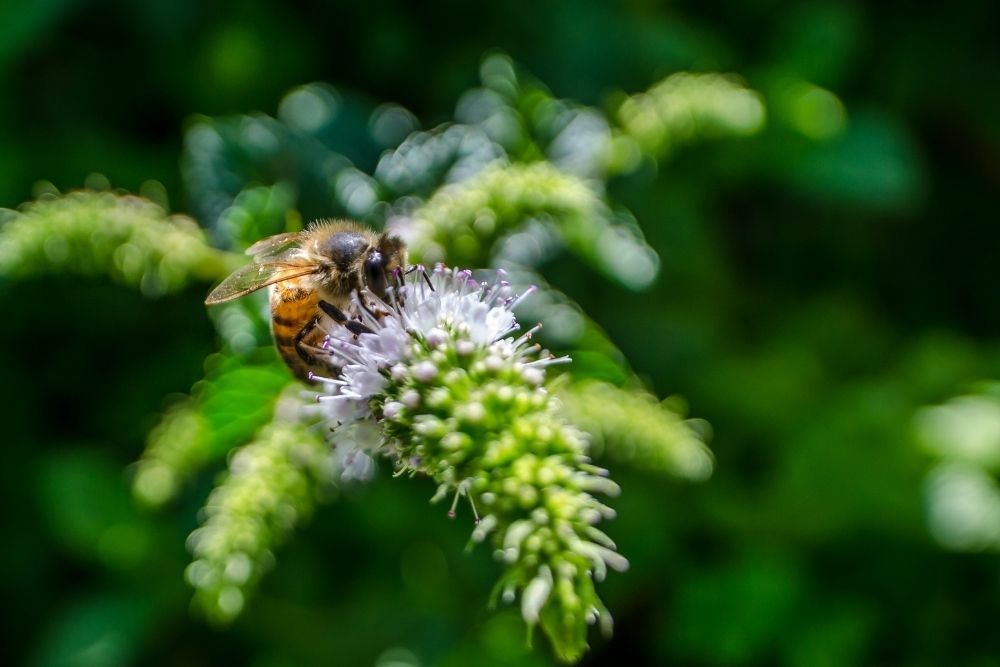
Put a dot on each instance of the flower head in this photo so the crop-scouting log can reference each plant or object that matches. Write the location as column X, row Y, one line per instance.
column 439, row 378
column 430, row 312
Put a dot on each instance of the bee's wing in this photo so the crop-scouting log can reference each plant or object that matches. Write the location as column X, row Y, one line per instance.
column 253, row 277
column 272, row 245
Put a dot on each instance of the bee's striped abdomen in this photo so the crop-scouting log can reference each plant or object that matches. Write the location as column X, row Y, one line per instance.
column 294, row 307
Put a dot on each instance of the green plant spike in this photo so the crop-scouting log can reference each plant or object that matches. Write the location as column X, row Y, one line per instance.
column 129, row 239
column 271, row 487
column 632, row 426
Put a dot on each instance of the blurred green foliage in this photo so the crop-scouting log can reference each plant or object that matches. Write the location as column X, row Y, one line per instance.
column 225, row 409
column 651, row 438
column 963, row 496
column 96, row 234
column 822, row 280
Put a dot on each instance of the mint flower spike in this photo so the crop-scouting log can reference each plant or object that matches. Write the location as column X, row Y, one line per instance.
column 94, row 233
column 272, row 486
column 440, row 381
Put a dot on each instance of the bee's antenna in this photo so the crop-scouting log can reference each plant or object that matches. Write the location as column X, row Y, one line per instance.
column 427, row 278
column 423, row 272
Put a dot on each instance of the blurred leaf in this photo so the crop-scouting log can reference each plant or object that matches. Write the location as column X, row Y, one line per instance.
column 426, row 160
column 731, row 613
column 104, row 630
column 260, row 211
column 874, row 164
column 819, row 40
column 836, row 634
column 236, row 398
column 812, row 111
column 85, row 502
column 224, row 156
column 303, row 155
column 498, row 641
column 566, row 329
column 22, row 26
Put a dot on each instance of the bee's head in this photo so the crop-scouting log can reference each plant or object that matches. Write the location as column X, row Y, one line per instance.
column 343, row 249
column 353, row 257
column 387, row 256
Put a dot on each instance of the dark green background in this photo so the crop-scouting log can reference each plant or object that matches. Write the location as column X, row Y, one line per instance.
column 813, row 297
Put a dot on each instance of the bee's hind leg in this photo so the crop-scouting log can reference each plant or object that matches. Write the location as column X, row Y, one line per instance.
column 338, row 316
column 300, row 337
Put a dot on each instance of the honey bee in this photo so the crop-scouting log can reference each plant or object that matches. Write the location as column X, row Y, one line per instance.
column 312, row 275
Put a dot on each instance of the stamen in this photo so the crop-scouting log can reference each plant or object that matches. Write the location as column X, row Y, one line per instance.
column 319, row 378
column 454, row 502
column 508, row 332
column 331, row 398
column 472, row 503
column 490, row 297
column 527, row 335
column 380, row 304
column 359, row 298
column 346, row 351
column 528, row 351
column 393, row 300
column 524, row 295
column 464, row 280
column 550, row 361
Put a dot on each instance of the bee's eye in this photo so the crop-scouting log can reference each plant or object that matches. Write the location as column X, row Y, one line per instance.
column 375, row 273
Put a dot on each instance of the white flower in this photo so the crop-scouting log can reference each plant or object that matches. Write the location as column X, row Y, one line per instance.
column 434, row 377
column 430, row 309
column 357, row 444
